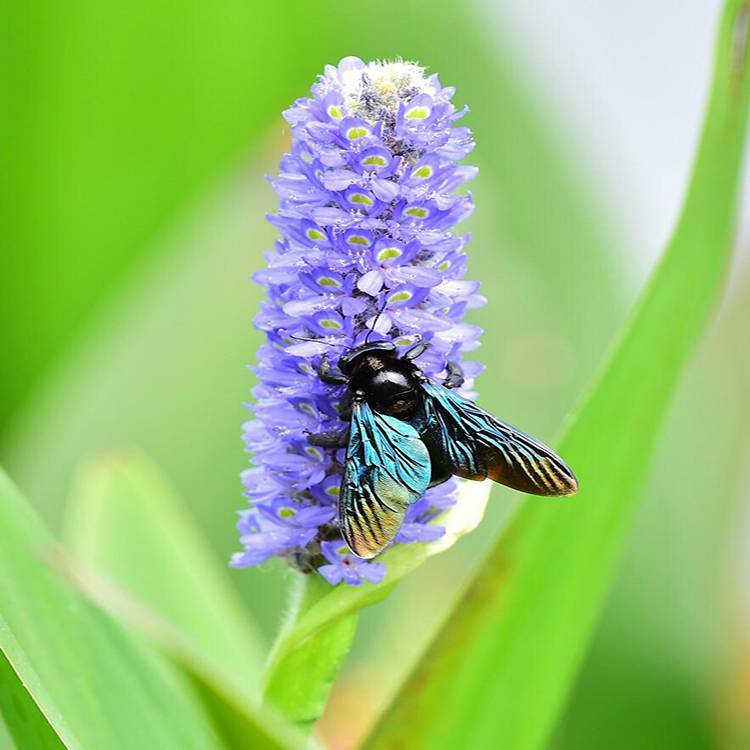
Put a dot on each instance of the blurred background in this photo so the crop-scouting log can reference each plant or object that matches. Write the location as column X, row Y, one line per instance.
column 136, row 139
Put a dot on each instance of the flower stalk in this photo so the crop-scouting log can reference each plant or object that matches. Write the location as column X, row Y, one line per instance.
column 298, row 684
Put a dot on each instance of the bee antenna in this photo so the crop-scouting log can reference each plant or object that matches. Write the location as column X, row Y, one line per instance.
column 318, row 341
column 377, row 318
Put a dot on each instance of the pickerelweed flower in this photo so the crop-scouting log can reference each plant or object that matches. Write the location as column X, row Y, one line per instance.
column 367, row 207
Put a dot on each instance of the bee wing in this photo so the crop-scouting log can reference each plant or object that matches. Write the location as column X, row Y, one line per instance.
column 387, row 469
column 475, row 445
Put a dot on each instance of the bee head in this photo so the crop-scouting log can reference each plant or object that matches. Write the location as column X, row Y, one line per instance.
column 347, row 360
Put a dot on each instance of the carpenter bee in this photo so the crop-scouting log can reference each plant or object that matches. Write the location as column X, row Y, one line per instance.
column 407, row 433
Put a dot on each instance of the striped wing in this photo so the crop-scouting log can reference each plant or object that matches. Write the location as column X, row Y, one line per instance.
column 465, row 440
column 387, row 469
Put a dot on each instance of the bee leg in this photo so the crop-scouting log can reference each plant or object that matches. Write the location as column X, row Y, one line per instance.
column 455, row 377
column 345, row 407
column 330, row 439
column 329, row 377
column 417, row 350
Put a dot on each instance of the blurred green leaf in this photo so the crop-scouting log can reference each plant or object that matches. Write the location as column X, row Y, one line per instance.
column 312, row 646
column 498, row 671
column 124, row 521
column 674, row 605
column 139, row 557
column 122, row 111
column 237, row 717
column 96, row 686
column 166, row 372
column 22, row 724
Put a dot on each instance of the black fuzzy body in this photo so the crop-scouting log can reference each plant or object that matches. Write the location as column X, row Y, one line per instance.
column 391, row 385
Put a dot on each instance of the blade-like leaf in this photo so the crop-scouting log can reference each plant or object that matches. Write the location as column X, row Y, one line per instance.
column 96, row 686
column 679, row 624
column 22, row 724
column 237, row 717
column 125, row 522
column 139, row 557
column 311, row 648
column 497, row 673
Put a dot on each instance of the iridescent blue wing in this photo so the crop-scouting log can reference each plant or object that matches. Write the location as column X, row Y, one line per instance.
column 464, row 439
column 387, row 469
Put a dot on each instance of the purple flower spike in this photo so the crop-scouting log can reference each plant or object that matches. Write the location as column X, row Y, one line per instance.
column 367, row 207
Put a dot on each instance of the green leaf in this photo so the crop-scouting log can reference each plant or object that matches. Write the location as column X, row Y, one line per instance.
column 499, row 670
column 298, row 682
column 125, row 522
column 678, row 624
column 26, row 726
column 139, row 558
column 95, row 685
column 318, row 633
column 132, row 383
column 237, row 717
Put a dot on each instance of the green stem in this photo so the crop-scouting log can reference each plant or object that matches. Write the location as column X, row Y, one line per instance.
column 297, row 683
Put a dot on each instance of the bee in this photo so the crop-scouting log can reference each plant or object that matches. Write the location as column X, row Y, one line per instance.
column 407, row 433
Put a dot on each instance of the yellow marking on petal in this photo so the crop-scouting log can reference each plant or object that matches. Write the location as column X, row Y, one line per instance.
column 331, row 324
column 335, row 112
column 444, row 266
column 423, row 172
column 307, row 409
column 287, row 513
column 400, row 297
column 416, row 211
column 314, row 234
column 357, row 239
column 418, row 113
column 333, row 491
column 375, row 161
column 357, row 132
column 343, row 551
column 360, row 198
column 327, row 281
column 389, row 252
